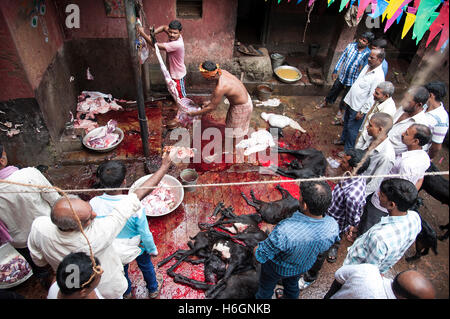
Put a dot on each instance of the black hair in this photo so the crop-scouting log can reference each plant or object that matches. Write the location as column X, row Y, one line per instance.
column 111, row 174
column 400, row 191
column 369, row 36
column 73, row 271
column 209, row 65
column 379, row 43
column 1, row 149
column 356, row 157
column 175, row 25
column 423, row 134
column 317, row 196
column 438, row 89
column 420, row 94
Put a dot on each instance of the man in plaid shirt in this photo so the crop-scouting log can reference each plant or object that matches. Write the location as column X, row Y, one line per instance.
column 386, row 242
column 349, row 65
column 349, row 196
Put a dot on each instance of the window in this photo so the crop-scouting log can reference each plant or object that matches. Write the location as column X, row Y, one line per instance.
column 189, row 9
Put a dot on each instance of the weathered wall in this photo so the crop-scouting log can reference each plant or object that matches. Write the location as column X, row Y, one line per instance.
column 13, row 79
column 33, row 50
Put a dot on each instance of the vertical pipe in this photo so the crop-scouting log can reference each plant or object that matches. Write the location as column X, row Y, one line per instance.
column 131, row 22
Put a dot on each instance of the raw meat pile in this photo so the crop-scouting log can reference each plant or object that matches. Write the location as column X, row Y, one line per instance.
column 105, row 136
column 91, row 103
column 179, row 152
column 14, row 270
column 160, row 201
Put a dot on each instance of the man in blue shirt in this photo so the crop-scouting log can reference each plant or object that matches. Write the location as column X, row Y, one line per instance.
column 294, row 244
column 135, row 241
column 347, row 70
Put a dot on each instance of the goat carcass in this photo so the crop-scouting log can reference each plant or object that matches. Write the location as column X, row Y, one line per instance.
column 273, row 212
column 258, row 141
column 426, row 239
column 313, row 163
column 281, row 121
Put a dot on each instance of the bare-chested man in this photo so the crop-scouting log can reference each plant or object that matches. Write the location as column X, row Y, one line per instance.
column 241, row 106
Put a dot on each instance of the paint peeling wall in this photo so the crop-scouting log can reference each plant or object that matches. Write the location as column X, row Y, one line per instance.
column 36, row 46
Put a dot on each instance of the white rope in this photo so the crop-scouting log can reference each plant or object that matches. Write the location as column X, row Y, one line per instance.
column 322, row 178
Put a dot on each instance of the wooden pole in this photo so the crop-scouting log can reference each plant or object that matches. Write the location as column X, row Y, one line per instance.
column 131, row 28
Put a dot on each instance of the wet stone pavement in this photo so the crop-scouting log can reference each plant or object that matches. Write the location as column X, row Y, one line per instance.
column 172, row 231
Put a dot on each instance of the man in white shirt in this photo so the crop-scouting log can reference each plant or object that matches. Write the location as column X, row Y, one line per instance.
column 412, row 112
column 364, row 281
column 382, row 154
column 411, row 164
column 437, row 116
column 51, row 239
column 360, row 99
column 19, row 207
column 383, row 103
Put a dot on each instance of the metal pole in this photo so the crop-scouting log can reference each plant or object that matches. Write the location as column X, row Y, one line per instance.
column 131, row 28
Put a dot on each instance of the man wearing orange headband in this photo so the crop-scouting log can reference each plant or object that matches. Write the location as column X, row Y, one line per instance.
column 229, row 86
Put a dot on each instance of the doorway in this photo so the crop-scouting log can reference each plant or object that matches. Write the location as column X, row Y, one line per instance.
column 251, row 22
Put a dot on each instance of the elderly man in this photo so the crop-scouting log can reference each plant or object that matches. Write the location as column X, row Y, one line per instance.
column 19, row 207
column 229, row 86
column 349, row 65
column 382, row 154
column 364, row 281
column 437, row 116
column 383, row 103
column 360, row 98
column 412, row 112
column 386, row 242
column 411, row 164
column 51, row 239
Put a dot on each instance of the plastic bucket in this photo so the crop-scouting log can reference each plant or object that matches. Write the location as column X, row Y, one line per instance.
column 264, row 92
column 189, row 177
column 277, row 60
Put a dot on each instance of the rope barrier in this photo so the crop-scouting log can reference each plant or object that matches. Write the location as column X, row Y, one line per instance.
column 322, row 178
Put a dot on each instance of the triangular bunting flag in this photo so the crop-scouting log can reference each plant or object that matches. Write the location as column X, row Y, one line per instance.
column 440, row 24
column 424, row 18
column 343, row 4
column 409, row 21
column 379, row 9
column 394, row 6
column 362, row 7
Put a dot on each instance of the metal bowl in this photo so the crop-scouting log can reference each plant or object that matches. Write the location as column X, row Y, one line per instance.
column 7, row 253
column 287, row 67
column 105, row 149
column 171, row 181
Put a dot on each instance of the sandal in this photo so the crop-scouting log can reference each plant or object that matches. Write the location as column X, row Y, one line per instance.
column 338, row 142
column 159, row 279
column 320, row 106
column 332, row 254
column 279, row 292
column 337, row 121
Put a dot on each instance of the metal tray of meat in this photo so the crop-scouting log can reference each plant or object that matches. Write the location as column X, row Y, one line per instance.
column 105, row 149
column 8, row 253
column 178, row 192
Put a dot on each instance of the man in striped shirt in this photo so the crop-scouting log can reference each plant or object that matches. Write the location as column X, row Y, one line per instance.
column 349, row 65
column 294, row 244
column 386, row 242
column 437, row 116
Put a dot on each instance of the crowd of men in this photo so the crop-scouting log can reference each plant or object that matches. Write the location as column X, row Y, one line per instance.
column 379, row 138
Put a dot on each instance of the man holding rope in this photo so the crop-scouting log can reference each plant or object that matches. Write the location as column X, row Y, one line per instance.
column 73, row 221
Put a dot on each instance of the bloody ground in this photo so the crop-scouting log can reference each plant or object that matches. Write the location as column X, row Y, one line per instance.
column 172, row 231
